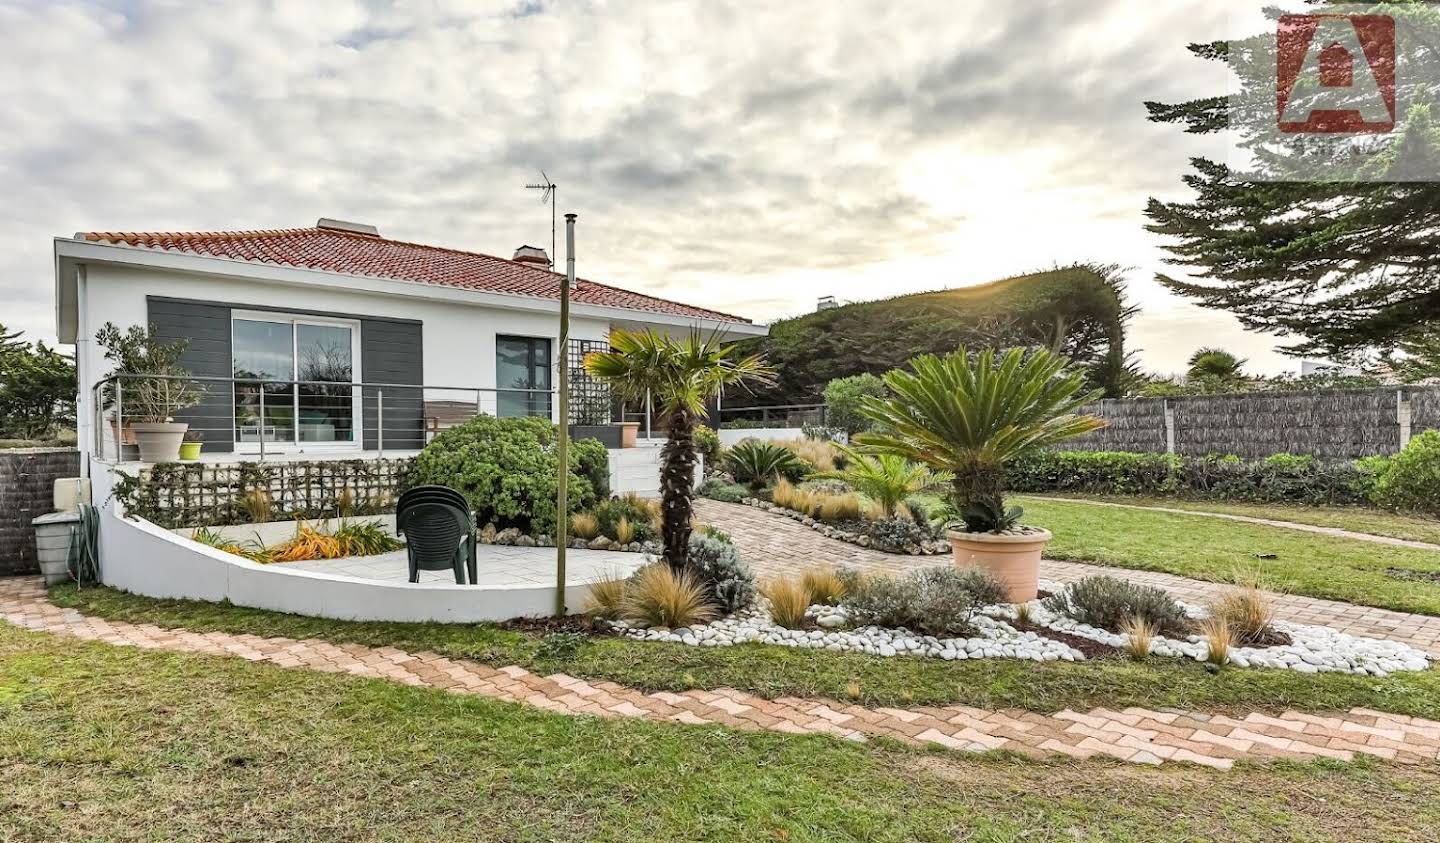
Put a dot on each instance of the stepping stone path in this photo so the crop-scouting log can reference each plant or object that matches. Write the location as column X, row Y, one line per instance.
column 773, row 544
column 1136, row 735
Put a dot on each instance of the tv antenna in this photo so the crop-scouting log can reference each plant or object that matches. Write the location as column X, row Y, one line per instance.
column 547, row 190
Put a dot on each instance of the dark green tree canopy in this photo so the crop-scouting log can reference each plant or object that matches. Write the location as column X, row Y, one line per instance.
column 37, row 388
column 1078, row 312
column 1344, row 265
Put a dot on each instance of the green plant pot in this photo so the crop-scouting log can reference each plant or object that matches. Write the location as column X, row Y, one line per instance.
column 190, row 450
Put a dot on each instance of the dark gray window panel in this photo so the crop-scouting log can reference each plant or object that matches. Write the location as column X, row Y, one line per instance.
column 207, row 327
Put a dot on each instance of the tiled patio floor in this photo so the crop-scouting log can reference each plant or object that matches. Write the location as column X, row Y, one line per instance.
column 497, row 565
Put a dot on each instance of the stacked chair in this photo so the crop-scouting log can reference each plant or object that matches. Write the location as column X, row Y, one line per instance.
column 439, row 531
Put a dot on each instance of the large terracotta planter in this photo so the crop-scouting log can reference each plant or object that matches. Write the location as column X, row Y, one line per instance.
column 628, row 433
column 160, row 441
column 1013, row 560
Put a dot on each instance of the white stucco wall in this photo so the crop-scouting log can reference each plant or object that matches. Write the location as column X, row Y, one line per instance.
column 783, row 434
column 459, row 338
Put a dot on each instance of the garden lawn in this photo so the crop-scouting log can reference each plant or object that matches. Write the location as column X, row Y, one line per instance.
column 780, row 671
column 100, row 743
column 1355, row 519
column 1215, row 549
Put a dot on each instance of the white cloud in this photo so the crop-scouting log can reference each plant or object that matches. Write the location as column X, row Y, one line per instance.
column 748, row 157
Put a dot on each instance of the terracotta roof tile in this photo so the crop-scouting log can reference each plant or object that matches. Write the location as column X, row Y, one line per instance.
column 351, row 253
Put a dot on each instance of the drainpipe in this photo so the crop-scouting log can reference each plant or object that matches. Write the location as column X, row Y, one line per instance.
column 562, row 508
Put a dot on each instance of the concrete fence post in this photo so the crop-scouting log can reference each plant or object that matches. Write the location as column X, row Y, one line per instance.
column 1402, row 417
column 1169, row 427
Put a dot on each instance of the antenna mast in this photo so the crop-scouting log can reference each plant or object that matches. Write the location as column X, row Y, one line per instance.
column 547, row 190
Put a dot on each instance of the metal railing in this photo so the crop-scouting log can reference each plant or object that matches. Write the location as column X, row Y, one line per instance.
column 776, row 415
column 265, row 417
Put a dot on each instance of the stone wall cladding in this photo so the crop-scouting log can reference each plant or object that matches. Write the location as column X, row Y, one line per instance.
column 27, row 482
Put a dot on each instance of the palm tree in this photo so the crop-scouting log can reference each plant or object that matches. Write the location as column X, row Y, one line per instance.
column 680, row 375
column 1216, row 363
column 887, row 479
column 970, row 414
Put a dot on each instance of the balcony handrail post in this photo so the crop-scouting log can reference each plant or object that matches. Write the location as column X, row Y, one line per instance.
column 649, row 411
column 262, row 421
column 119, row 419
column 380, row 422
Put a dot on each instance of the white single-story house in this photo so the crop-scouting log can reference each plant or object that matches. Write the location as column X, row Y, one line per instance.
column 411, row 336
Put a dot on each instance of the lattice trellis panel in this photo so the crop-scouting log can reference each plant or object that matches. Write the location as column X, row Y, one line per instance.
column 589, row 398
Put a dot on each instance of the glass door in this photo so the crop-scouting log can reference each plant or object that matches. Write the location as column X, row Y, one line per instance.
column 294, row 362
column 522, row 363
column 264, row 358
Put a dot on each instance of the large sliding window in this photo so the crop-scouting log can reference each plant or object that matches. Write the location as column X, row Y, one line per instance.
column 305, row 368
column 522, row 363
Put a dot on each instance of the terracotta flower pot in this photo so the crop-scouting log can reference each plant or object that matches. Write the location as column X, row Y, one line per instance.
column 160, row 441
column 1013, row 560
column 628, row 433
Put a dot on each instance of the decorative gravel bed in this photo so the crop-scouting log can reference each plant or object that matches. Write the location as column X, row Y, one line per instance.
column 1312, row 649
column 846, row 531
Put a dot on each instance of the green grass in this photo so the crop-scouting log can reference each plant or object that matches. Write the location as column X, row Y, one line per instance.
column 1355, row 519
column 780, row 671
column 1214, row 549
column 103, row 744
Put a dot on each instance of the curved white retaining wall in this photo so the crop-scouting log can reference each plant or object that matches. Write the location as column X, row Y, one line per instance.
column 142, row 558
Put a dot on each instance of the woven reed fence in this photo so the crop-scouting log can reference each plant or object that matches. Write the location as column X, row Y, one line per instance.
column 1334, row 424
column 175, row 495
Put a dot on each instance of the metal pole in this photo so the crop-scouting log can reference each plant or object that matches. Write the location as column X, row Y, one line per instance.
column 380, row 422
column 262, row 421
column 119, row 419
column 649, row 434
column 562, row 508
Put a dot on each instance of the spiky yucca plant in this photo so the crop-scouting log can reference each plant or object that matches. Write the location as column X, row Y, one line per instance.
column 680, row 374
column 887, row 479
column 969, row 414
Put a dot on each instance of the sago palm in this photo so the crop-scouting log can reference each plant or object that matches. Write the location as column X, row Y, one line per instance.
column 680, row 375
column 887, row 479
column 969, row 414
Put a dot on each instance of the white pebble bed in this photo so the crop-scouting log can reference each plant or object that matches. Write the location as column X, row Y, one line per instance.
column 1313, row 649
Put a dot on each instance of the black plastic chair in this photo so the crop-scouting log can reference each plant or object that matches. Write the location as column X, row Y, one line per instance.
column 439, row 532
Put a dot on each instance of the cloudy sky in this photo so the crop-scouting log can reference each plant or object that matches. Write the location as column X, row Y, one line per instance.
column 745, row 156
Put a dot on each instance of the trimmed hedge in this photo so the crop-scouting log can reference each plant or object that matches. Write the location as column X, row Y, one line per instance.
column 1282, row 478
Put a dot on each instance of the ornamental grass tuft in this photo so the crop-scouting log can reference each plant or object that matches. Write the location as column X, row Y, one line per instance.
column 824, row 585
column 659, row 596
column 789, row 598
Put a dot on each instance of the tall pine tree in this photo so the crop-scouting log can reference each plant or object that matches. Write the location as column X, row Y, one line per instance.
column 1344, row 265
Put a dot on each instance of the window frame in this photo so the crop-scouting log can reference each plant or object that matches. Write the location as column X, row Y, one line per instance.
column 357, row 403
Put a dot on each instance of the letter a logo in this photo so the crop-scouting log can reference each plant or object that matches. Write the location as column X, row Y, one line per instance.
column 1336, row 74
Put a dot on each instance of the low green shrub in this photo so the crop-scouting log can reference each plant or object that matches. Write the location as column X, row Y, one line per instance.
column 1410, row 480
column 506, row 469
column 936, row 601
column 896, row 535
column 726, row 578
column 707, row 442
column 637, row 512
column 1109, row 603
column 844, row 397
column 720, row 490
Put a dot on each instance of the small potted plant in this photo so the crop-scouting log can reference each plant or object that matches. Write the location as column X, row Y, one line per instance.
column 152, row 386
column 969, row 415
column 191, row 444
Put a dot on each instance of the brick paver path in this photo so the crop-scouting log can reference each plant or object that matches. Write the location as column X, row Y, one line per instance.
column 1140, row 736
column 774, row 544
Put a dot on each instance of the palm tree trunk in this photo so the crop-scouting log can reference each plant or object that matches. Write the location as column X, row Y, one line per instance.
column 677, row 480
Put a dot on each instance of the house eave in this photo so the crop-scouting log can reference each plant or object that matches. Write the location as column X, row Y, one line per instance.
column 70, row 253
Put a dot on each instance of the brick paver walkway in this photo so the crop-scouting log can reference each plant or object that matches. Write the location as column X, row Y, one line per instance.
column 774, row 544
column 1136, row 735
